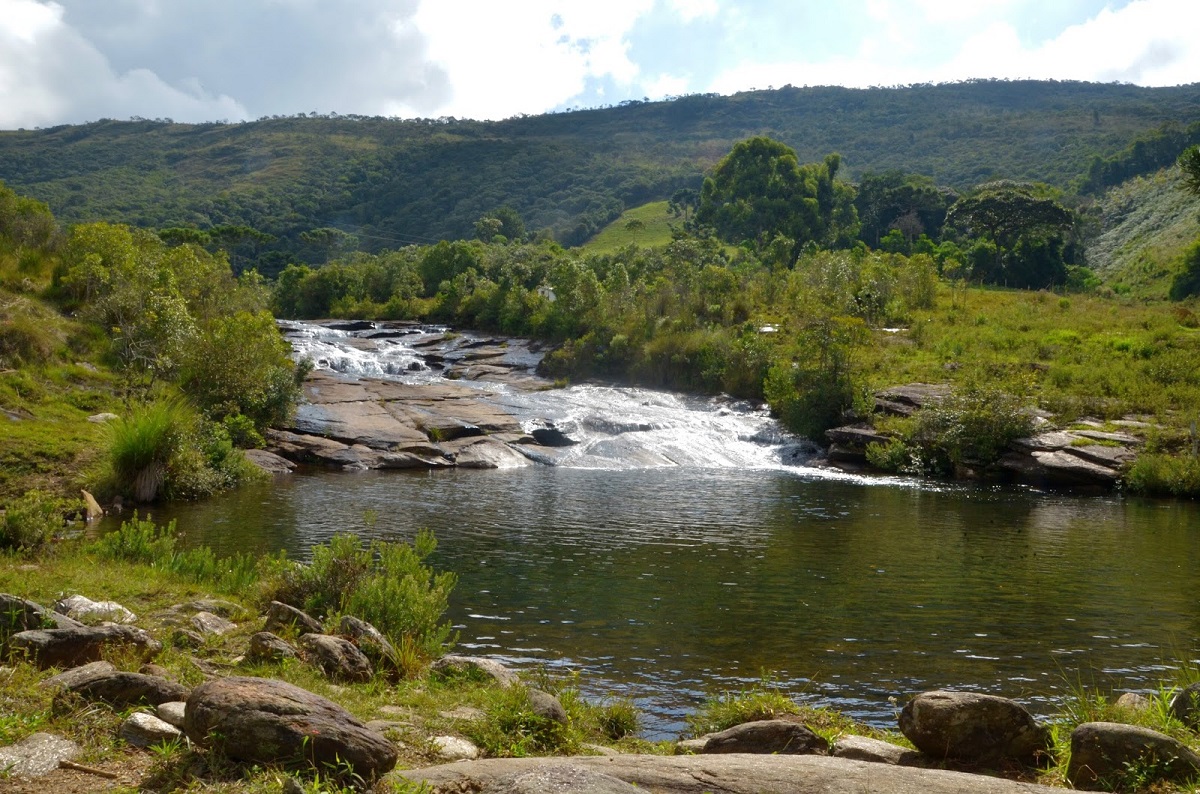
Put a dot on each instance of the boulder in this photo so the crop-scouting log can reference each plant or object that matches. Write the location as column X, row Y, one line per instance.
column 269, row 462
column 102, row 418
column 547, row 707
column 172, row 712
column 337, row 657
column 71, row 647
column 283, row 617
column 370, row 641
column 37, row 755
column 128, row 689
column 144, row 730
column 78, row 675
column 907, row 400
column 186, row 638
column 454, row 748
column 226, row 609
column 1103, row 755
column 979, row 729
column 546, row 434
column 862, row 748
column 82, row 608
column 767, row 736
column 1185, row 706
column 1133, row 702
column 735, row 773
column 18, row 614
column 265, row 647
column 451, row 666
column 272, row 722
column 486, row 453
column 560, row 779
column 208, row 624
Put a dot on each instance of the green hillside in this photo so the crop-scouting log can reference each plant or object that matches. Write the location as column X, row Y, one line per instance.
column 306, row 183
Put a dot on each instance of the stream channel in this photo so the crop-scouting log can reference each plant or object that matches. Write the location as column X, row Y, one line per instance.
column 683, row 548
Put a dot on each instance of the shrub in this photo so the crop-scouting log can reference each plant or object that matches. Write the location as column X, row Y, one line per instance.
column 29, row 523
column 973, row 426
column 1165, row 475
column 513, row 730
column 143, row 443
column 386, row 584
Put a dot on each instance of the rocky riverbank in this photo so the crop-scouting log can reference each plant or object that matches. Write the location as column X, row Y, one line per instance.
column 221, row 698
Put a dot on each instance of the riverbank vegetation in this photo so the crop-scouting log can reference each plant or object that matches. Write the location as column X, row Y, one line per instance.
column 147, row 569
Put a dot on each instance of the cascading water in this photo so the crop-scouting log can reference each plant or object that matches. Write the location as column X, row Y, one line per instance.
column 598, row 427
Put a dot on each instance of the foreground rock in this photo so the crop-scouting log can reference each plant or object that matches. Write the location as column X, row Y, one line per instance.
column 974, row 728
column 767, row 736
column 18, row 614
column 71, row 647
column 1105, row 754
column 730, row 774
column 862, row 748
column 560, row 780
column 144, row 730
column 1185, row 706
column 37, row 755
column 271, row 722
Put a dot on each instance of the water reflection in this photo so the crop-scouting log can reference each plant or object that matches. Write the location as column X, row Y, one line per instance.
column 666, row 584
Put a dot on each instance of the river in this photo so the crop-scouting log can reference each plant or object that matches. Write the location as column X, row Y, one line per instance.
column 685, row 549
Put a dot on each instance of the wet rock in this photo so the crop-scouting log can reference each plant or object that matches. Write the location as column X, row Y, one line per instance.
column 547, row 706
column 767, row 736
column 128, row 689
column 269, row 461
column 271, row 722
column 862, row 748
column 454, row 748
column 1103, row 754
column 1185, row 706
column 548, row 435
column 208, row 624
column 78, row 675
column 978, row 729
column 71, row 647
column 172, row 712
column 266, row 647
column 337, row 657
column 37, row 756
column 144, row 730
column 80, row 607
column 561, row 779
column 479, row 668
column 485, row 454
column 282, row 617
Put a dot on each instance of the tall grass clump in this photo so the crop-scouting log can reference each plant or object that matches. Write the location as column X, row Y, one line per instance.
column 30, row 522
column 142, row 443
column 762, row 701
column 387, row 584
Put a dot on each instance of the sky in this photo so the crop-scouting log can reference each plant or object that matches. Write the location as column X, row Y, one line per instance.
column 72, row 61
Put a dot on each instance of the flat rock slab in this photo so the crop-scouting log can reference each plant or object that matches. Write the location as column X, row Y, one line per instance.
column 729, row 774
column 71, row 647
column 128, row 689
column 269, row 461
column 37, row 755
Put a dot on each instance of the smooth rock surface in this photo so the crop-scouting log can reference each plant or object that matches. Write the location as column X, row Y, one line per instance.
column 78, row 675
column 1103, row 752
column 454, row 748
column 128, row 689
column 767, row 736
column 731, row 774
column 208, row 624
column 37, row 755
column 267, row 721
column 547, row 706
column 971, row 727
column 83, row 608
column 863, row 748
column 71, row 647
column 172, row 712
column 143, row 730
column 269, row 461
column 562, row 779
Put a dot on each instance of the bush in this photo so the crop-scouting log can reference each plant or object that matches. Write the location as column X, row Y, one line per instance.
column 29, row 523
column 1165, row 475
column 513, row 730
column 386, row 584
column 143, row 443
column 974, row 426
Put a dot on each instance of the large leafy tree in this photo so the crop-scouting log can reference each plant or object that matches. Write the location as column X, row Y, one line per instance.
column 910, row 203
column 1019, row 232
column 760, row 192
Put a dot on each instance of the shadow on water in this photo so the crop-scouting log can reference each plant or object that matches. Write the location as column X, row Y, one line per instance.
column 666, row 584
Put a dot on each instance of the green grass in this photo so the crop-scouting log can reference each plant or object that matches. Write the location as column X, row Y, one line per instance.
column 645, row 226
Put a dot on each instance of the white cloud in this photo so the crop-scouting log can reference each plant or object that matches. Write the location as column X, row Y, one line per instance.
column 501, row 63
column 1148, row 42
column 690, row 10
column 665, row 85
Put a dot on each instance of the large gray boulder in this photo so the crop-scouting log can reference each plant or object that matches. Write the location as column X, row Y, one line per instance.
column 735, row 773
column 1185, row 706
column 370, row 641
column 337, row 657
column 71, row 647
column 978, row 729
column 272, row 722
column 767, row 736
column 285, row 617
column 1104, row 754
column 122, row 689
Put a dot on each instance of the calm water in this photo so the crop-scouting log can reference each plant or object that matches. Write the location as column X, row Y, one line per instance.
column 664, row 584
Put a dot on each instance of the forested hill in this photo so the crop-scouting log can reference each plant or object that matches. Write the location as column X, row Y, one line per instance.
column 286, row 189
